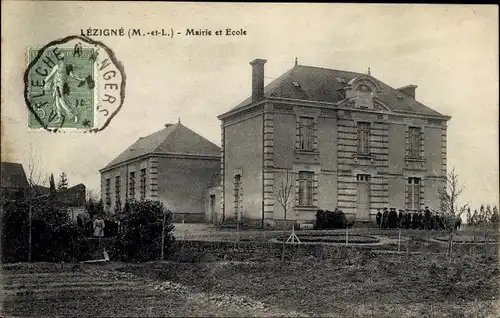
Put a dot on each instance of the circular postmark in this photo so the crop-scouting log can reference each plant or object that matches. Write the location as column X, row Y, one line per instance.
column 73, row 83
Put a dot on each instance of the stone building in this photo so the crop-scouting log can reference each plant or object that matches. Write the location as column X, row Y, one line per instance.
column 174, row 165
column 344, row 139
column 14, row 184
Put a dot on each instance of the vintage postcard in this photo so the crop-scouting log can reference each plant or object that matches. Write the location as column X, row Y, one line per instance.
column 249, row 159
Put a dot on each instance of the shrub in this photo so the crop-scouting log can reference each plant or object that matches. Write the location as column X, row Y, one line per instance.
column 140, row 238
column 330, row 219
column 54, row 237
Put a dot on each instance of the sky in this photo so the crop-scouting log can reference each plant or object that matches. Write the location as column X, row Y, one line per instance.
column 449, row 51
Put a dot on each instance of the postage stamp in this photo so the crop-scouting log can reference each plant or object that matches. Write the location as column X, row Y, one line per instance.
column 75, row 83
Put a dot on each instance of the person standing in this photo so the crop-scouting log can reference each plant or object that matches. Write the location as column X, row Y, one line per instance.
column 99, row 226
column 385, row 217
column 378, row 217
column 401, row 217
column 408, row 219
column 393, row 218
column 427, row 215
column 421, row 220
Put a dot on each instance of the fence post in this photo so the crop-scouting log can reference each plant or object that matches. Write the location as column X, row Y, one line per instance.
column 399, row 239
column 346, row 236
column 163, row 236
column 30, row 216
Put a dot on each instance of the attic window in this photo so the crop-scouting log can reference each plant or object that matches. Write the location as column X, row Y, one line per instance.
column 296, row 84
column 398, row 94
column 341, row 80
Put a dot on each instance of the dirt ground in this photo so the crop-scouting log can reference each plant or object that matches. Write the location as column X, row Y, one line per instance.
column 354, row 284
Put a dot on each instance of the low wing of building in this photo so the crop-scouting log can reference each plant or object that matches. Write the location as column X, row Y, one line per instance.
column 341, row 139
column 174, row 165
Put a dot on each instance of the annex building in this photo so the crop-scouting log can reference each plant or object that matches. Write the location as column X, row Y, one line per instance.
column 174, row 165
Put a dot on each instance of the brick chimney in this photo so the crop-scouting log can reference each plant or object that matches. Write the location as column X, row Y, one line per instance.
column 257, row 79
column 408, row 90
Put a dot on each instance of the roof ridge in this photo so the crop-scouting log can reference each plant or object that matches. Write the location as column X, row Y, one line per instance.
column 172, row 127
column 331, row 69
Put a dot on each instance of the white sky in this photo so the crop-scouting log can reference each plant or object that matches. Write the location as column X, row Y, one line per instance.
column 449, row 51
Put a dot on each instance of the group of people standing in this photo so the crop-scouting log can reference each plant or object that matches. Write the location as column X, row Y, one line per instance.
column 391, row 219
column 97, row 226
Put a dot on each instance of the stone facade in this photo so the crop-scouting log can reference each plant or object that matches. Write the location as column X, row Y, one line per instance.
column 368, row 147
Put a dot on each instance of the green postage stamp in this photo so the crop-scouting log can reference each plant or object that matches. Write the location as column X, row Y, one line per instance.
column 73, row 84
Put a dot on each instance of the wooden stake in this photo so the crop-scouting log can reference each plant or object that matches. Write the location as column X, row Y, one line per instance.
column 29, row 234
column 293, row 237
column 238, row 234
column 163, row 236
column 399, row 239
column 346, row 236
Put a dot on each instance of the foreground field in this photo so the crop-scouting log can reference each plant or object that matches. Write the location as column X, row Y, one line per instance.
column 349, row 283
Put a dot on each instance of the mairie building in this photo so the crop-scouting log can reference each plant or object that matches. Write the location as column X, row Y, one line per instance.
column 342, row 139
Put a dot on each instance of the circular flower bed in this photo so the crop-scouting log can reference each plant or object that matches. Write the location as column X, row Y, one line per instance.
column 334, row 238
column 467, row 239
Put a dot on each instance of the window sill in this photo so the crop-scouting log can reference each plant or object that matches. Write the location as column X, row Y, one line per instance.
column 412, row 159
column 364, row 156
column 306, row 207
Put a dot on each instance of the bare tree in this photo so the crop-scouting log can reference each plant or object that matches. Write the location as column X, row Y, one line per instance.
column 35, row 178
column 284, row 193
column 91, row 195
column 484, row 222
column 450, row 210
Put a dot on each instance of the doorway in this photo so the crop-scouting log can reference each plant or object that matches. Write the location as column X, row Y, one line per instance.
column 213, row 213
column 363, row 197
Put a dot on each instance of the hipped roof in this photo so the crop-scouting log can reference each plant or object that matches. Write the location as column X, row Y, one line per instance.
column 173, row 139
column 325, row 85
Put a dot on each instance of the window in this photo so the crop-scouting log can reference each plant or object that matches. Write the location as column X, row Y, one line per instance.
column 414, row 142
column 363, row 138
column 364, row 97
column 237, row 194
column 117, row 190
column 305, row 188
column 363, row 177
column 306, row 133
column 143, row 184
column 131, row 185
column 414, row 193
column 108, row 191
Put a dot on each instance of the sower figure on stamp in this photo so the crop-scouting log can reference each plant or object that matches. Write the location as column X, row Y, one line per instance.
column 57, row 82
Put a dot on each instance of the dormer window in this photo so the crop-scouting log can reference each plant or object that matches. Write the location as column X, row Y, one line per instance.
column 364, row 96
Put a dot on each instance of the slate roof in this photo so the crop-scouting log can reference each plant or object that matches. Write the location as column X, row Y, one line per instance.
column 173, row 139
column 324, row 85
column 13, row 175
